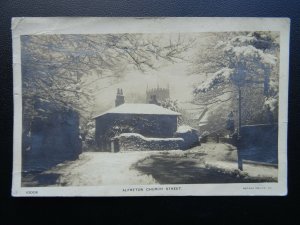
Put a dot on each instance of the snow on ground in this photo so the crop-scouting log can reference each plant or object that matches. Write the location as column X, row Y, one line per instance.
column 98, row 168
column 224, row 156
column 197, row 165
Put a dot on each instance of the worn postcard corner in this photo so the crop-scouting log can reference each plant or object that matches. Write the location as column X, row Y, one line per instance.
column 150, row 107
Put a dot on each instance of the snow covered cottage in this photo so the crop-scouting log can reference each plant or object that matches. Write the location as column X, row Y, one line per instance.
column 149, row 120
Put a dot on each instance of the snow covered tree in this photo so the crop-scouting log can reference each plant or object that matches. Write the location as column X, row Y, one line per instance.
column 66, row 69
column 59, row 67
column 236, row 65
column 173, row 105
column 170, row 104
column 88, row 134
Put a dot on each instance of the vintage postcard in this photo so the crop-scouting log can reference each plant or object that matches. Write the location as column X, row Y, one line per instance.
column 150, row 106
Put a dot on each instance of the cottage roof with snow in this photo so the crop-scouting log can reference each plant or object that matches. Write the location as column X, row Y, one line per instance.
column 139, row 109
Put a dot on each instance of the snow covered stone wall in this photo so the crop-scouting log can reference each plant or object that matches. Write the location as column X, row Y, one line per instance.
column 137, row 142
column 189, row 135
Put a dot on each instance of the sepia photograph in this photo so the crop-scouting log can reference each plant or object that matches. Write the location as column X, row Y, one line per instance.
column 154, row 107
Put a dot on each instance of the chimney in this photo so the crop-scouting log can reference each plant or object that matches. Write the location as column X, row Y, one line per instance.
column 120, row 99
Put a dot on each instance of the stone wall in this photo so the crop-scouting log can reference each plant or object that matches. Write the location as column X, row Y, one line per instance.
column 137, row 142
column 111, row 125
column 259, row 143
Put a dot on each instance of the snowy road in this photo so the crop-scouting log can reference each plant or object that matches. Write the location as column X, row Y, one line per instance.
column 98, row 168
column 208, row 163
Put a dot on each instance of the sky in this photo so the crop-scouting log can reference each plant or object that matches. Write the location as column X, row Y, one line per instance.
column 135, row 83
column 175, row 75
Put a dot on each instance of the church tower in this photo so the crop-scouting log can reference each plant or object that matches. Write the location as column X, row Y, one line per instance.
column 157, row 94
column 120, row 99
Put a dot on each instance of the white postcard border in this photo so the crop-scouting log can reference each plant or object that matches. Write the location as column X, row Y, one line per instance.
column 93, row 25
